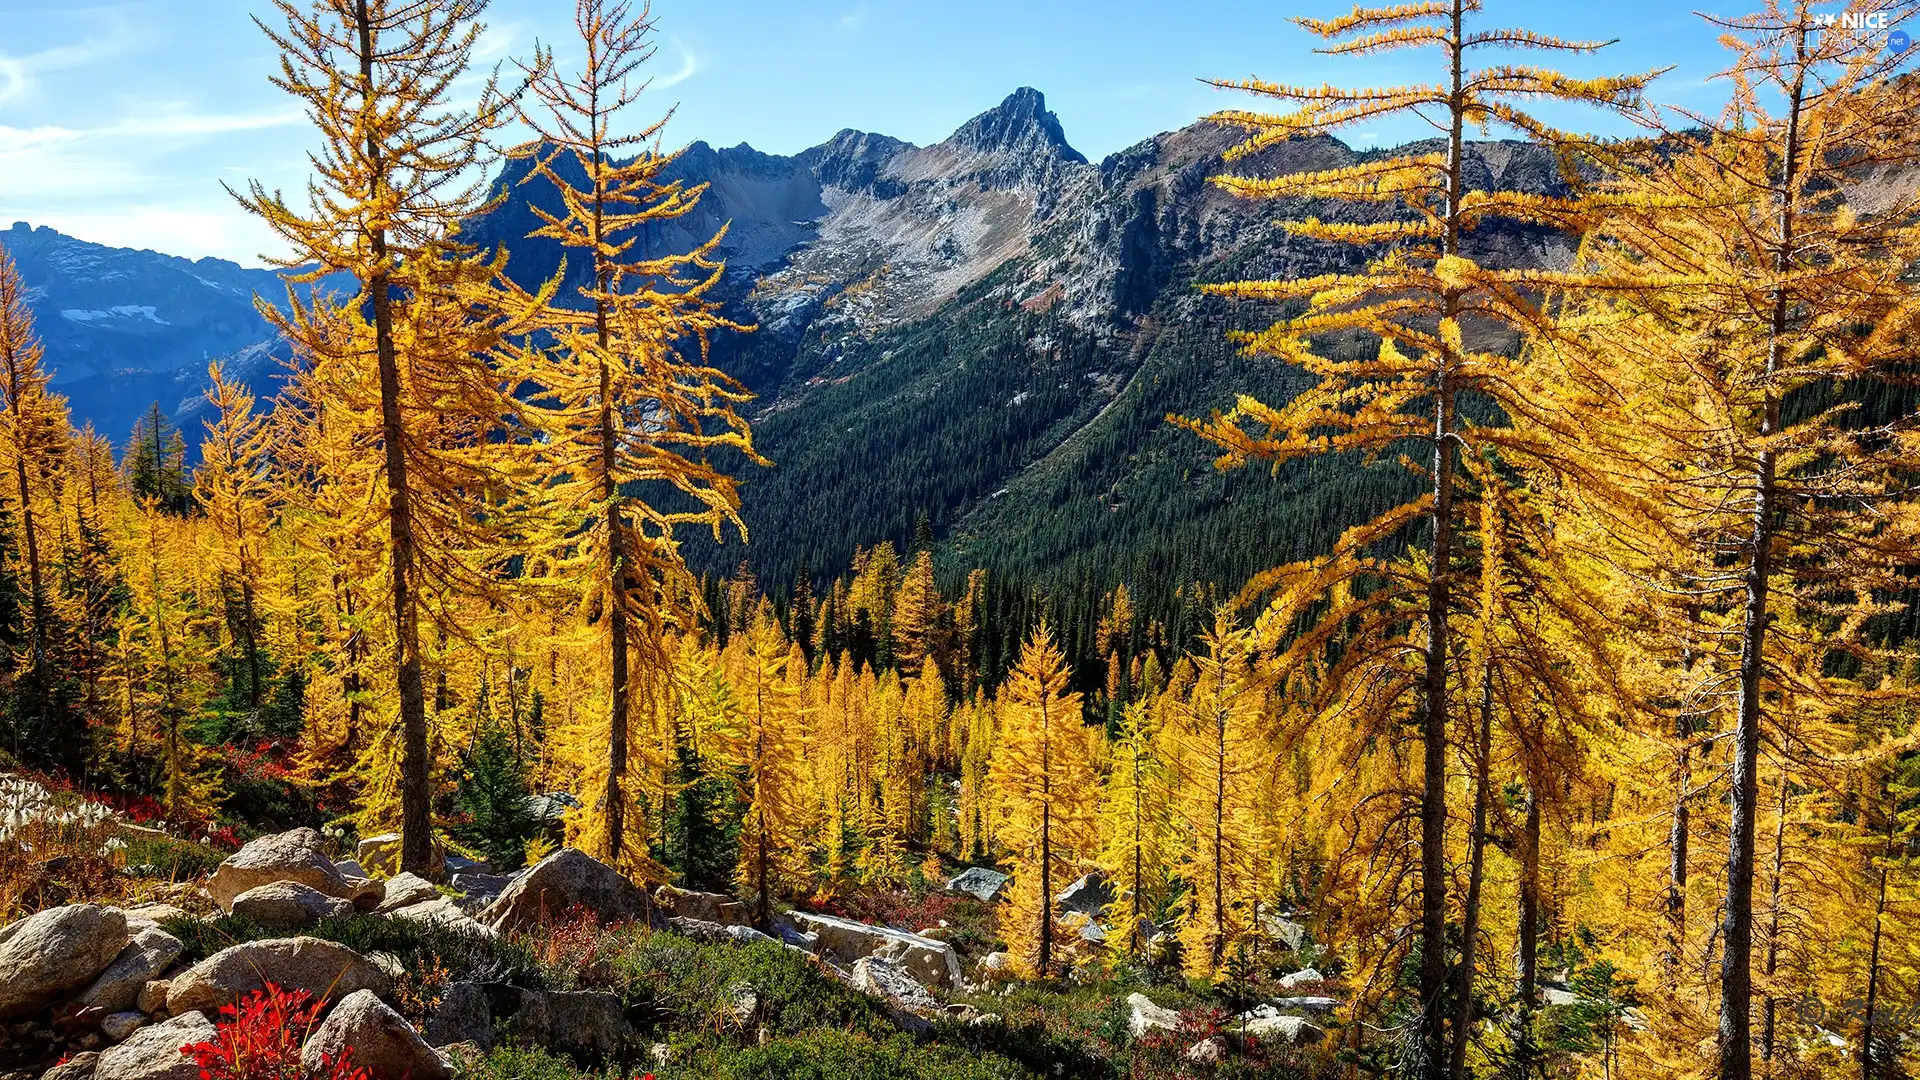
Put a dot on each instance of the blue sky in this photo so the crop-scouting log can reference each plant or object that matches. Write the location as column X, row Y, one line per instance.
column 118, row 123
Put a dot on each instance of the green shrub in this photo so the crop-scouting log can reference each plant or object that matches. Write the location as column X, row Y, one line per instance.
column 168, row 859
column 519, row 1063
column 842, row 1055
column 682, row 983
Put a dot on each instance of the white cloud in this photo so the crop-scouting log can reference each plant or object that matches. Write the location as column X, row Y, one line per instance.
column 18, row 74
column 689, row 67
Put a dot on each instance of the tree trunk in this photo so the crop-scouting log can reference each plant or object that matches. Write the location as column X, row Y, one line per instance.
column 1873, row 961
column 1736, row 961
column 416, row 793
column 1769, row 1009
column 1433, row 800
column 1528, row 961
column 1477, row 849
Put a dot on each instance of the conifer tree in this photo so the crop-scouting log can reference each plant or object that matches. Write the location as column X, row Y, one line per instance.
column 1416, row 297
column 634, row 414
column 775, row 829
column 411, row 361
column 1139, row 847
column 1046, row 795
column 231, row 487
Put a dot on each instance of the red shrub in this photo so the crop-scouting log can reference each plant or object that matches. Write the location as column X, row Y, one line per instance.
column 259, row 1039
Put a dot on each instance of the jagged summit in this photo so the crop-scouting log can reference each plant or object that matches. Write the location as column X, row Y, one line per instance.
column 1020, row 124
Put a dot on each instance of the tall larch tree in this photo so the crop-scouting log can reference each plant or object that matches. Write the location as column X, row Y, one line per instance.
column 775, row 830
column 231, row 485
column 1417, row 296
column 1045, row 796
column 396, row 173
column 636, row 417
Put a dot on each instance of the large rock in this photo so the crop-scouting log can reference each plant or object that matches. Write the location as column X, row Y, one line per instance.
column 1290, row 932
column 1292, row 1030
column 1303, row 977
column 145, row 957
column 709, row 907
column 1145, row 1017
column 890, row 982
column 1089, row 896
column 141, row 916
column 116, row 1026
column 297, row 855
column 404, row 890
column 588, row 1025
column 288, row 905
column 153, row 1053
column 933, row 963
column 382, row 1041
column 322, row 968
column 979, row 883
column 1312, row 1003
column 462, row 1016
column 478, row 890
column 563, row 882
column 51, row 953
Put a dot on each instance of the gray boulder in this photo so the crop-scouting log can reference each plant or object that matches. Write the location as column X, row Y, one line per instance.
column 588, row 1025
column 979, row 882
column 322, row 968
column 892, row 983
column 478, row 890
column 118, row 988
column 933, row 963
column 1309, row 1004
column 153, row 1052
column 1292, row 1030
column 288, row 905
column 565, row 881
column 705, row 906
column 1089, row 896
column 116, row 1026
column 446, row 913
column 51, row 953
column 1145, row 1017
column 460, row 864
column 141, row 916
column 1207, row 1052
column 297, row 855
column 381, row 1040
column 1301, row 978
column 404, row 890
column 462, row 1016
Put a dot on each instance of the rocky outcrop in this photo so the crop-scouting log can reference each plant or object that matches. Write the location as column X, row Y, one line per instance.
column 78, row 1067
column 889, row 981
column 324, row 969
column 1088, row 896
column 51, row 953
column 1292, row 1030
column 153, row 1053
column 149, row 953
column 298, row 855
column 381, row 1041
column 979, row 882
column 443, row 912
column 702, row 930
column 288, row 905
column 566, row 881
column 933, row 963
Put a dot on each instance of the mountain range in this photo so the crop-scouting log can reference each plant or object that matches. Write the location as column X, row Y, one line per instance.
column 980, row 338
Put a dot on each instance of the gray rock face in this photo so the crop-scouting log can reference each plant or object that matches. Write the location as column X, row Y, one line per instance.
column 478, row 890
column 565, row 881
column 144, row 958
column 1287, row 931
column 50, row 953
column 1145, row 1018
column 288, row 905
column 1207, row 1052
column 588, row 1025
column 141, row 916
column 891, row 982
column 381, row 1041
column 407, row 889
column 463, row 1016
column 298, row 855
column 743, row 1004
column 153, row 1053
column 1089, row 896
column 444, row 912
column 322, row 968
column 1310, row 1004
column 1301, row 978
column 933, row 963
column 979, row 882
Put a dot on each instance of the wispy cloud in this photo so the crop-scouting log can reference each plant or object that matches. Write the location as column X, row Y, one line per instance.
column 20, row 74
column 689, row 67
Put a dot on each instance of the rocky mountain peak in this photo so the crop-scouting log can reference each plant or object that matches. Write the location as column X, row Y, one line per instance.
column 1021, row 124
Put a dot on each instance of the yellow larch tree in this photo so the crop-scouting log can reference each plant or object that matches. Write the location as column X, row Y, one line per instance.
column 1046, row 799
column 232, row 488
column 1419, row 296
column 635, row 417
column 1138, row 848
column 777, row 825
column 410, row 361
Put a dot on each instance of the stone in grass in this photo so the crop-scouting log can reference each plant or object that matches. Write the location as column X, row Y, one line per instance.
column 893, row 983
column 1089, row 896
column 118, row 988
column 979, row 882
column 1145, row 1017
column 382, row 1041
column 324, row 969
column 404, row 890
column 1292, row 1030
column 296, row 855
column 566, row 881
